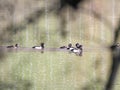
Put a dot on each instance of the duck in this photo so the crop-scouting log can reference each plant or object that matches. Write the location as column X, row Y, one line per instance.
column 39, row 47
column 13, row 46
column 63, row 47
column 78, row 50
column 70, row 47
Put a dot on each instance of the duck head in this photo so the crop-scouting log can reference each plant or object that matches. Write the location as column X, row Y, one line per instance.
column 78, row 45
column 69, row 45
column 16, row 45
column 42, row 45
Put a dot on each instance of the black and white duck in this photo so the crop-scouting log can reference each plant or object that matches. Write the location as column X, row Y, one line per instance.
column 39, row 47
column 78, row 50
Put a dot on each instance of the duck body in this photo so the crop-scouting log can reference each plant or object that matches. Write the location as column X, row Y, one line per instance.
column 39, row 47
column 11, row 46
column 70, row 48
column 63, row 47
column 77, row 51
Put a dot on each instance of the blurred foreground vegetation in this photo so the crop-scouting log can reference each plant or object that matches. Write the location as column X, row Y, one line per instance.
column 58, row 70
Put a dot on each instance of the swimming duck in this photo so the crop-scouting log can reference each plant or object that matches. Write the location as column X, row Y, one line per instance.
column 39, row 47
column 13, row 46
column 63, row 47
column 78, row 50
column 70, row 47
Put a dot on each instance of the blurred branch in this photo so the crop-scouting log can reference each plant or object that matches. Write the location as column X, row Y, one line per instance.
column 97, row 16
column 114, row 69
column 72, row 3
column 117, row 32
column 33, row 17
column 17, row 85
column 115, row 60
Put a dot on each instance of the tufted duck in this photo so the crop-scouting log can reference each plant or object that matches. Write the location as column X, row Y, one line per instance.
column 63, row 47
column 78, row 50
column 13, row 46
column 39, row 47
column 70, row 47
